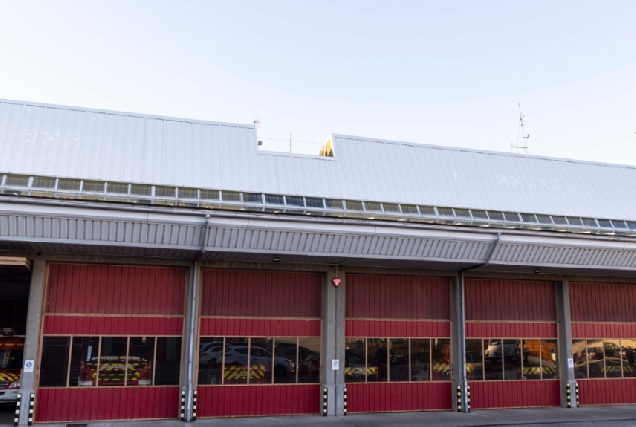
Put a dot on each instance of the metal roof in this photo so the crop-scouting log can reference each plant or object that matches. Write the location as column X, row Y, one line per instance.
column 106, row 146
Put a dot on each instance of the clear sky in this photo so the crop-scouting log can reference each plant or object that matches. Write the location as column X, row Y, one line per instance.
column 437, row 72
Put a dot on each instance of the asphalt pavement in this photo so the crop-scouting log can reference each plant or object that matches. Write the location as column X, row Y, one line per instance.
column 591, row 416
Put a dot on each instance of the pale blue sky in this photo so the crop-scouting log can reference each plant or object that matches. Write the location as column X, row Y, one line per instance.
column 444, row 72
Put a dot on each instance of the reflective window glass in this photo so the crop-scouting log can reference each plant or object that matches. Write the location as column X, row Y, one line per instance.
column 355, row 367
column 474, row 360
column 512, row 359
column 595, row 358
column 549, row 360
column 612, row 358
column 377, row 359
column 531, row 360
column 168, row 361
column 84, row 354
column 210, row 360
column 399, row 359
column 441, row 359
column 309, row 354
column 54, row 361
column 286, row 352
column 261, row 359
column 579, row 356
column 420, row 359
column 493, row 359
column 112, row 362
column 236, row 361
column 140, row 356
column 629, row 357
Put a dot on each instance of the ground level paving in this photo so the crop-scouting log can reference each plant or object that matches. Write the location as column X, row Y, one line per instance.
column 592, row 416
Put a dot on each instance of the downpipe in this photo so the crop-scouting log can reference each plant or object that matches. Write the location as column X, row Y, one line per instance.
column 461, row 392
column 192, row 321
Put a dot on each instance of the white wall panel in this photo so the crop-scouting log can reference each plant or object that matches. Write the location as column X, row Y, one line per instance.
column 38, row 139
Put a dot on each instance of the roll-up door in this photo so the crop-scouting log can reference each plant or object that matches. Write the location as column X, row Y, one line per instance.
column 111, row 347
column 397, row 355
column 511, row 332
column 604, row 342
column 259, row 345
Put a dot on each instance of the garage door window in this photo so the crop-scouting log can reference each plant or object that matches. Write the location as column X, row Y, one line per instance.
column 496, row 359
column 259, row 360
column 598, row 358
column 396, row 359
column 93, row 361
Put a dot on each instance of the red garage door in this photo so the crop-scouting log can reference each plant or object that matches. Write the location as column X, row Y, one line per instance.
column 111, row 346
column 604, row 342
column 511, row 331
column 259, row 346
column 397, row 343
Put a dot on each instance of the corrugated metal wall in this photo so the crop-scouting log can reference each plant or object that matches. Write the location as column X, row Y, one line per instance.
column 604, row 310
column 99, row 325
column 110, row 289
column 510, row 300
column 397, row 297
column 260, row 294
column 398, row 397
column 260, row 327
column 409, row 329
column 607, row 391
column 601, row 302
column 241, row 401
column 397, row 307
column 112, row 300
column 394, row 171
column 259, row 304
column 511, row 330
column 117, row 403
column 603, row 330
column 514, row 394
column 72, row 142
column 511, row 309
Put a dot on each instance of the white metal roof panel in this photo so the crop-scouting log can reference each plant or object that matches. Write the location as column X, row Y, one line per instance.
column 71, row 142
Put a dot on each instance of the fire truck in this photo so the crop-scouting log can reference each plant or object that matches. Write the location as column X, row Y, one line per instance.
column 112, row 371
column 11, row 353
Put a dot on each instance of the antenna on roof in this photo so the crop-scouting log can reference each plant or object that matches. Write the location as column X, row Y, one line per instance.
column 523, row 136
column 257, row 122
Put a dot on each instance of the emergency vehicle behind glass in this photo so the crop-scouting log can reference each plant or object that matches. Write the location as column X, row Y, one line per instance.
column 11, row 353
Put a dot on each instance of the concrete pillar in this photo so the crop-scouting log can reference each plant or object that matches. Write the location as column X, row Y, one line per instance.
column 32, row 340
column 191, row 334
column 333, row 332
column 564, row 343
column 458, row 345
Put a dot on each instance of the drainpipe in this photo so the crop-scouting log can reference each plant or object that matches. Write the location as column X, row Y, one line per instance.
column 491, row 251
column 460, row 392
column 192, row 321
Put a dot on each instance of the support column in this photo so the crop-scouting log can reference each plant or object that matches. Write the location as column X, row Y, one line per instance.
column 458, row 345
column 333, row 334
column 32, row 340
column 191, row 331
column 564, row 343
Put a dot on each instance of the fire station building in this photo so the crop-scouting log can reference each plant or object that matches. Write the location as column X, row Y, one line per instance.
column 155, row 267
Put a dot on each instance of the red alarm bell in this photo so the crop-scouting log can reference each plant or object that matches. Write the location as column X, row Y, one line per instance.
column 336, row 281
